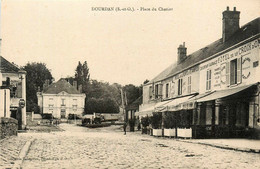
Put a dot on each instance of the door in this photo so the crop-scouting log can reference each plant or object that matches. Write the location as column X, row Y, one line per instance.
column 63, row 113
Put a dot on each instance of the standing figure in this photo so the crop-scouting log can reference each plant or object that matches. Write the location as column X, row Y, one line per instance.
column 125, row 124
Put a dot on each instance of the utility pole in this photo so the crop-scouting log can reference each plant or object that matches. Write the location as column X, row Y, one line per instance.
column 123, row 105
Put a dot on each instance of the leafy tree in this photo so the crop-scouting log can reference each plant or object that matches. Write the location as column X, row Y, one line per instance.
column 82, row 76
column 132, row 92
column 37, row 74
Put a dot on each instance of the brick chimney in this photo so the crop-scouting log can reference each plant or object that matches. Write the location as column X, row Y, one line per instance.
column 46, row 84
column 182, row 53
column 80, row 88
column 230, row 23
column 75, row 84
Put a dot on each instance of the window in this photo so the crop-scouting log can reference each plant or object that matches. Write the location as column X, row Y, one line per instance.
column 180, row 87
column 189, row 84
column 167, row 90
column 50, row 106
column 208, row 82
column 74, row 105
column 233, row 72
column 63, row 102
column 156, row 91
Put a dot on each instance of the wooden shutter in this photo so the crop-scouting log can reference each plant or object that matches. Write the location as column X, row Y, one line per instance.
column 228, row 73
column 239, row 72
column 160, row 90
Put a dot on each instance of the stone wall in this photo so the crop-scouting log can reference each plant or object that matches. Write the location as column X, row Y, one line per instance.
column 8, row 127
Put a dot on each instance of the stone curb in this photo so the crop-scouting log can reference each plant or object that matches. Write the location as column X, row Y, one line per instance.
column 248, row 150
column 23, row 154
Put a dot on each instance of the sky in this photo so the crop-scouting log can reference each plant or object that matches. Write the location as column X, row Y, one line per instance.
column 125, row 47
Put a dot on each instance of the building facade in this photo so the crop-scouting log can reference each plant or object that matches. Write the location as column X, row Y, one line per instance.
column 214, row 90
column 61, row 99
column 13, row 91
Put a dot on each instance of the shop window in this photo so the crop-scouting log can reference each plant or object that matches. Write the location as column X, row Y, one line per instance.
column 189, row 84
column 208, row 81
column 233, row 72
column 167, row 90
column 180, row 87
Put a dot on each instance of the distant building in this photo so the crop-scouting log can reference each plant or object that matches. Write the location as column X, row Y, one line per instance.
column 13, row 87
column 132, row 108
column 215, row 90
column 61, row 99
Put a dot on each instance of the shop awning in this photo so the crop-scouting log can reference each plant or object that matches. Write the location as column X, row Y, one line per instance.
column 161, row 106
column 177, row 104
column 224, row 93
column 149, row 111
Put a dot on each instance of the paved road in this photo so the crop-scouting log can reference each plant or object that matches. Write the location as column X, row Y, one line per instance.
column 79, row 147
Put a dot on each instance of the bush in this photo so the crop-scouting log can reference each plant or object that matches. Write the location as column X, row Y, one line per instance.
column 73, row 116
column 156, row 120
column 145, row 121
column 169, row 120
column 131, row 124
column 48, row 116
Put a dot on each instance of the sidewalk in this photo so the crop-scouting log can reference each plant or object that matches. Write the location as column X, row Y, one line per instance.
column 245, row 145
column 238, row 144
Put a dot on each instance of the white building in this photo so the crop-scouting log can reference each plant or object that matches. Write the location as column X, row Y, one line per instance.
column 61, row 99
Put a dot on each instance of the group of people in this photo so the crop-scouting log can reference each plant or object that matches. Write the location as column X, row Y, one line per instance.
column 125, row 125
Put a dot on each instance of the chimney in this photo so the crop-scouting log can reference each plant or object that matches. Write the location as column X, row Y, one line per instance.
column 46, row 84
column 230, row 23
column 75, row 84
column 182, row 53
column 80, row 88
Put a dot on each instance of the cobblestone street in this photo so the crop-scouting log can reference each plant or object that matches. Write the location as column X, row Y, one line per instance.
column 79, row 147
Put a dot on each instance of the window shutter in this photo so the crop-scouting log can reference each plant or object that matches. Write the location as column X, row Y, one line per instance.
column 239, row 72
column 228, row 73
column 150, row 92
column 160, row 90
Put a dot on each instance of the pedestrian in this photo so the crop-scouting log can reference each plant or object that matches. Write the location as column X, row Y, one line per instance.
column 139, row 126
column 125, row 127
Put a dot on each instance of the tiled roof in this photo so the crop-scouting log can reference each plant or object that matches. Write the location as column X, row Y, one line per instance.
column 7, row 67
column 250, row 29
column 60, row 86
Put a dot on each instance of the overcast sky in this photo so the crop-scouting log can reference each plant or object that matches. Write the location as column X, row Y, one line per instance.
column 122, row 47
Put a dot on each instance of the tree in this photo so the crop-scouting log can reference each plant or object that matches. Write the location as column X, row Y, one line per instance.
column 82, row 76
column 37, row 74
column 102, row 98
column 132, row 92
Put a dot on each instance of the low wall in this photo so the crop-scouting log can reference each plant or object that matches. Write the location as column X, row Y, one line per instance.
column 8, row 127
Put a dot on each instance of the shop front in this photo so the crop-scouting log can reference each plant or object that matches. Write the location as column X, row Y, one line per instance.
column 231, row 113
